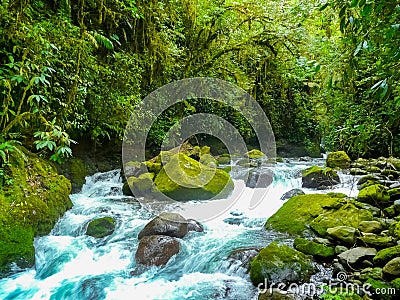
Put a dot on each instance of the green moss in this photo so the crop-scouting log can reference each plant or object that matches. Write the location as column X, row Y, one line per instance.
column 153, row 167
column 254, row 154
column 348, row 214
column 222, row 160
column 377, row 287
column 208, row 160
column 396, row 284
column 394, row 230
column 375, row 195
column 385, row 255
column 338, row 159
column 78, row 173
column 100, row 228
column 185, row 183
column 312, row 248
column 30, row 206
column 275, row 263
column 295, row 214
column 336, row 195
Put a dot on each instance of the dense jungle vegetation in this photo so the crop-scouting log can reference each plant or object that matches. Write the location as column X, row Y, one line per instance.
column 323, row 71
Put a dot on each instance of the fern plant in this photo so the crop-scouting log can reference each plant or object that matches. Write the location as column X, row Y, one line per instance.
column 6, row 148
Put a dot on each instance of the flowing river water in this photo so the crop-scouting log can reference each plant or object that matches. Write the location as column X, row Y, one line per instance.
column 71, row 265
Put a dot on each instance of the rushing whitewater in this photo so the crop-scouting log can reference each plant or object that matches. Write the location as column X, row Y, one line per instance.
column 71, row 265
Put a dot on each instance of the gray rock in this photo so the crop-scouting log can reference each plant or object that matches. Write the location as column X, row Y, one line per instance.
column 354, row 255
column 292, row 193
column 340, row 249
column 193, row 225
column 373, row 240
column 260, row 178
column 169, row 224
column 345, row 234
column 156, row 250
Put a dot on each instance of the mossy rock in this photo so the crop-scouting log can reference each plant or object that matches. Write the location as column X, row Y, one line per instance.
column 141, row 185
column 254, row 154
column 279, row 264
column 223, row 160
column 78, row 173
column 338, row 159
column 313, row 248
column 385, row 255
column 376, row 195
column 208, row 160
column 373, row 240
column 319, row 178
column 153, row 167
column 346, row 214
column 396, row 284
column 394, row 230
column 186, row 184
column 100, row 228
column 29, row 207
column 298, row 212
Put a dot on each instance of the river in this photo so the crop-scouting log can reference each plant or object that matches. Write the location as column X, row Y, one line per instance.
column 71, row 265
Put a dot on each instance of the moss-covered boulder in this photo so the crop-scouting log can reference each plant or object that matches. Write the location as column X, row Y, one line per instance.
column 101, row 227
column 345, row 234
column 392, row 267
column 319, row 178
column 375, row 194
column 394, row 230
column 279, row 264
column 140, row 186
column 346, row 213
column 224, row 159
column 387, row 254
column 208, row 160
column 312, row 248
column 377, row 241
column 254, row 154
column 338, row 159
column 298, row 212
column 30, row 206
column 184, row 178
column 376, row 288
column 370, row 226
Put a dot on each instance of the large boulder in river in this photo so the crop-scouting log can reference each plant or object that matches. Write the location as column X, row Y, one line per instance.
column 356, row 255
column 260, row 178
column 170, row 224
column 319, row 178
column 184, row 178
column 280, row 264
column 156, row 250
column 338, row 159
column 100, row 228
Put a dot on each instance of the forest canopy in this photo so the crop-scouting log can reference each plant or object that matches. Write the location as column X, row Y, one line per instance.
column 324, row 72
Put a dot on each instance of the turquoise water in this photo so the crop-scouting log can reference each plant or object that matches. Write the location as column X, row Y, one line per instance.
column 71, row 265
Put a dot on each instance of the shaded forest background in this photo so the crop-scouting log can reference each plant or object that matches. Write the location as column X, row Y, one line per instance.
column 324, row 72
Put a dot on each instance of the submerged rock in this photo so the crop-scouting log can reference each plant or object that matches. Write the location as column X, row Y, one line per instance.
column 279, row 264
column 319, row 178
column 100, row 228
column 156, row 250
column 338, row 159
